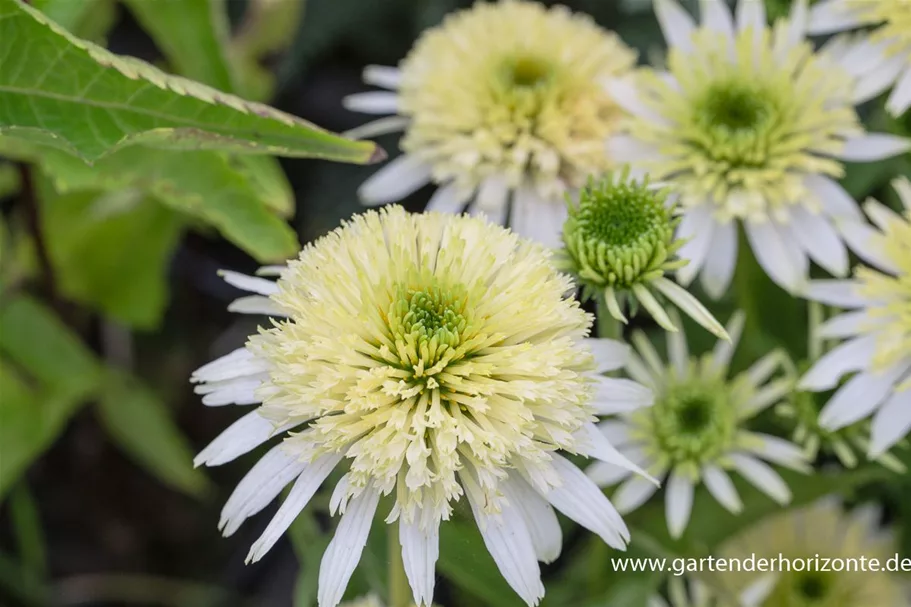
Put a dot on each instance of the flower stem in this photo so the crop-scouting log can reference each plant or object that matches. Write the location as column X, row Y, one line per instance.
column 817, row 316
column 399, row 591
column 608, row 326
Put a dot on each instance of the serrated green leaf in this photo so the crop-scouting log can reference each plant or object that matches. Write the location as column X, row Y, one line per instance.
column 141, row 425
column 206, row 185
column 111, row 251
column 465, row 562
column 192, row 34
column 58, row 90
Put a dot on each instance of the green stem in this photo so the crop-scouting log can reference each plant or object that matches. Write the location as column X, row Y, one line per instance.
column 608, row 326
column 817, row 316
column 399, row 591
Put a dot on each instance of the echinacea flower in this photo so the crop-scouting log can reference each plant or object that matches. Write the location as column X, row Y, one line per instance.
column 876, row 330
column 696, row 431
column 431, row 357
column 889, row 46
column 619, row 242
column 751, row 126
column 503, row 101
column 823, row 544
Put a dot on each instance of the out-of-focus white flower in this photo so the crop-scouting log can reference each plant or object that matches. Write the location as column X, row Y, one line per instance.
column 751, row 126
column 699, row 594
column 619, row 243
column 695, row 432
column 503, row 101
column 889, row 45
column 877, row 330
column 822, row 531
column 432, row 357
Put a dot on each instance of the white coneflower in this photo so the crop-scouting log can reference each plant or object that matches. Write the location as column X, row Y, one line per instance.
column 751, row 126
column 432, row 356
column 619, row 243
column 877, row 330
column 696, row 429
column 503, row 100
column 823, row 543
column 889, row 44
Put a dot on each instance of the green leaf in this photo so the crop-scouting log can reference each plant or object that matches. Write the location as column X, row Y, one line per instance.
column 27, row 528
column 112, row 251
column 268, row 27
column 76, row 96
column 142, row 426
column 47, row 350
column 206, row 185
column 90, row 19
column 9, row 180
column 46, row 374
column 192, row 34
column 465, row 562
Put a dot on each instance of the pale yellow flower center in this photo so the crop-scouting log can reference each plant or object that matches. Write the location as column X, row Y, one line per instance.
column 512, row 89
column 894, row 17
column 745, row 123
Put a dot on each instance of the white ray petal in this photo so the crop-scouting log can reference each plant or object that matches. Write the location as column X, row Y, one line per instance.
column 835, row 201
column 761, row 476
column 373, row 102
column 900, row 99
column 380, row 126
column 850, row 356
column 616, row 395
column 238, row 363
column 609, row 354
column 676, row 24
column 678, row 502
column 876, row 80
column 449, row 198
column 237, row 391
column 717, row 17
column 306, row 485
column 538, row 219
column 849, row 324
column 539, row 516
column 830, row 16
column 593, row 443
column 259, row 487
column 581, row 500
column 860, row 396
column 891, row 423
column 634, row 492
column 245, row 434
column 723, row 351
column 722, row 488
column 492, row 199
column 873, row 146
column 383, row 76
column 839, row 293
column 394, row 181
column 344, row 551
column 778, row 255
column 778, row 451
column 509, row 543
column 696, row 227
column 719, row 265
column 256, row 304
column 820, row 240
column 253, row 284
column 866, row 242
column 420, row 551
